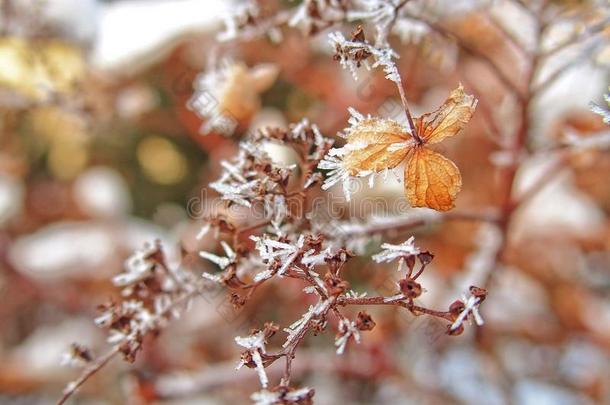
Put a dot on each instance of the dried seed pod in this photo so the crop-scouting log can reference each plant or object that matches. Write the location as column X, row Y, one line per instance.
column 410, row 288
column 364, row 321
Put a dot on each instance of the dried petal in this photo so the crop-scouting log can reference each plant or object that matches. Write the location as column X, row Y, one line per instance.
column 449, row 119
column 431, row 180
column 375, row 144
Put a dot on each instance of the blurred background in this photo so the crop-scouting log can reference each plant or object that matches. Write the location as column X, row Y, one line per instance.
column 99, row 153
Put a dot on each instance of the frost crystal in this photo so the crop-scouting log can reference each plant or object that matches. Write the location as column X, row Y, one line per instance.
column 471, row 306
column 138, row 266
column 392, row 252
column 234, row 22
column 256, row 346
column 222, row 262
column 347, row 329
column 203, row 231
column 297, row 327
column 353, row 54
column 346, row 172
column 265, row 397
column 271, row 250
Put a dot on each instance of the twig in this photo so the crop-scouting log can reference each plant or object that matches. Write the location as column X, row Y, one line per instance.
column 398, row 301
column 88, row 372
column 101, row 361
column 405, row 104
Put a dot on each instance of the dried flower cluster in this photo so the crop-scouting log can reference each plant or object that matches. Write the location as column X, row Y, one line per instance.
column 287, row 248
column 377, row 145
column 290, row 240
column 152, row 293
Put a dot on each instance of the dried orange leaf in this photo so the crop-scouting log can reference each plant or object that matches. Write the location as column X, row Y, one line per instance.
column 431, row 180
column 449, row 119
column 375, row 144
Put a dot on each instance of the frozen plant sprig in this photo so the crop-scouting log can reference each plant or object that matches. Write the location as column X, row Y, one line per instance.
column 298, row 253
column 290, row 249
column 352, row 54
column 467, row 308
column 255, row 345
column 346, row 170
column 392, row 252
column 251, row 177
column 152, row 293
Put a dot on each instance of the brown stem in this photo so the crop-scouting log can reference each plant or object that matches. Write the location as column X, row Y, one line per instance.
column 405, row 104
column 397, row 302
column 89, row 371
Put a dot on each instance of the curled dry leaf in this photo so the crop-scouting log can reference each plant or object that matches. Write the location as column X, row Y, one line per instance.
column 372, row 145
column 448, row 119
column 431, row 180
column 375, row 145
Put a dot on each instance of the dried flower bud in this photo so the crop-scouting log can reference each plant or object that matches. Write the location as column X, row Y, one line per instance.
column 455, row 332
column 480, row 293
column 246, row 359
column 130, row 347
column 364, row 321
column 467, row 308
column 78, row 355
column 335, row 285
column 358, row 35
column 425, row 258
column 410, row 288
column 455, row 308
column 270, row 329
column 237, row 301
column 338, row 259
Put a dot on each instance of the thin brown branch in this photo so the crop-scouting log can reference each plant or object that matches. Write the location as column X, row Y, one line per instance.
column 101, row 361
column 509, row 36
column 400, row 301
column 405, row 104
column 87, row 373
